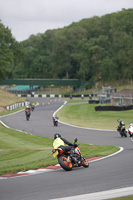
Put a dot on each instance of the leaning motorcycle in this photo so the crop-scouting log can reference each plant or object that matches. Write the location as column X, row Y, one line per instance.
column 122, row 131
column 55, row 121
column 67, row 161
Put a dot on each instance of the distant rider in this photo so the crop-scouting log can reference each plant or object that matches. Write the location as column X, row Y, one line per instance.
column 121, row 125
column 55, row 118
column 130, row 126
column 27, row 110
column 60, row 142
column 33, row 106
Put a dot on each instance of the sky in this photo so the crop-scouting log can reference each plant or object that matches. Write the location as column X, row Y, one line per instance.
column 27, row 17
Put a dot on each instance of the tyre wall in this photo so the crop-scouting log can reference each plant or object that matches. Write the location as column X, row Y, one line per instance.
column 114, row 108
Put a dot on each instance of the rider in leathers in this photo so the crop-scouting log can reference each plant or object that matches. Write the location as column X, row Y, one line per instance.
column 27, row 110
column 121, row 124
column 55, row 118
column 60, row 142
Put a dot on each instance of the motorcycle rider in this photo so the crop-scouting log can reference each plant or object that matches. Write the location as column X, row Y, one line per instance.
column 121, row 124
column 60, row 142
column 130, row 125
column 33, row 106
column 27, row 110
column 55, row 118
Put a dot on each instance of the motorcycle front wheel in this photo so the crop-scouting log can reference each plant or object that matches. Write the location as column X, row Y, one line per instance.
column 64, row 164
column 85, row 163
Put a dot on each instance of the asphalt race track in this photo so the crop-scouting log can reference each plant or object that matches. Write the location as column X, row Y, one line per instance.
column 113, row 173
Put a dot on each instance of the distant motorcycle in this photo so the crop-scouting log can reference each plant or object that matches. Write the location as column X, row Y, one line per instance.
column 32, row 107
column 27, row 113
column 122, row 131
column 130, row 131
column 67, row 161
column 55, row 121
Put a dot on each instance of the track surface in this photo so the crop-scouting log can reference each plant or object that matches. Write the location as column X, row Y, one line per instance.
column 108, row 174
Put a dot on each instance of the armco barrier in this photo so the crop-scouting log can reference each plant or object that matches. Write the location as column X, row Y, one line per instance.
column 40, row 95
column 114, row 108
column 52, row 95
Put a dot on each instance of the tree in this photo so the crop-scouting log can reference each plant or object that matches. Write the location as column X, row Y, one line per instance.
column 9, row 53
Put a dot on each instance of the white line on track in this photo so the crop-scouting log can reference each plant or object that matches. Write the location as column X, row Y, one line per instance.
column 109, row 194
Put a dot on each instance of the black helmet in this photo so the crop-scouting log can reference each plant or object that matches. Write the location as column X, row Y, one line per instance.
column 56, row 135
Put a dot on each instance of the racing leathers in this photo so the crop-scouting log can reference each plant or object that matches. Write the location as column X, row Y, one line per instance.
column 60, row 142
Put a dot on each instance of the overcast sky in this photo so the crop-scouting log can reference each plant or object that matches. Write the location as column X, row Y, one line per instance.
column 27, row 17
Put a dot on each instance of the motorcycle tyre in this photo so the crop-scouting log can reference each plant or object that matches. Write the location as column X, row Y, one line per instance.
column 63, row 164
column 125, row 134
column 85, row 163
column 55, row 123
column 121, row 133
column 27, row 117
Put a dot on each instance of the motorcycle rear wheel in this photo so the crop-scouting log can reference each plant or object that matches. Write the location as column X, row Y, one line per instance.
column 125, row 133
column 27, row 117
column 64, row 164
column 56, row 124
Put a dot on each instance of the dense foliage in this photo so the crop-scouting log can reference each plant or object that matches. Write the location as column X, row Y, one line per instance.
column 92, row 49
column 10, row 53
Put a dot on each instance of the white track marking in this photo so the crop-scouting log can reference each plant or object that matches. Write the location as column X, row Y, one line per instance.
column 109, row 194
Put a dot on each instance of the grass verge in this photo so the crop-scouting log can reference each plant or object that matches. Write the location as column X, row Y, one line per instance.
column 85, row 115
column 124, row 198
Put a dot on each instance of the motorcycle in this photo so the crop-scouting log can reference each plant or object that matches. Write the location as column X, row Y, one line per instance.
column 32, row 107
column 67, row 161
column 130, row 131
column 27, row 112
column 55, row 121
column 122, row 131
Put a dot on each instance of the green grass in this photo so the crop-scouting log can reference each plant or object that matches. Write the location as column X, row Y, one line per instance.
column 21, row 152
column 124, row 198
column 85, row 115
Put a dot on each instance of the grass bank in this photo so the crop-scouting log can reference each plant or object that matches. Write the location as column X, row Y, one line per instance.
column 85, row 115
column 7, row 99
column 21, row 152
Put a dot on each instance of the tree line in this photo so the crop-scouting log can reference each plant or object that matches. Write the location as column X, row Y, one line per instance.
column 93, row 49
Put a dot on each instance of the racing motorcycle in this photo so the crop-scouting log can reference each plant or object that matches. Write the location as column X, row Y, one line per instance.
column 67, row 161
column 32, row 107
column 27, row 112
column 55, row 121
column 130, row 131
column 122, row 131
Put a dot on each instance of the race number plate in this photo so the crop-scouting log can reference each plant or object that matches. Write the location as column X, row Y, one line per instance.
column 55, row 153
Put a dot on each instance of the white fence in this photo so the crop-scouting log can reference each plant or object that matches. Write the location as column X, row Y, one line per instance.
column 16, row 105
